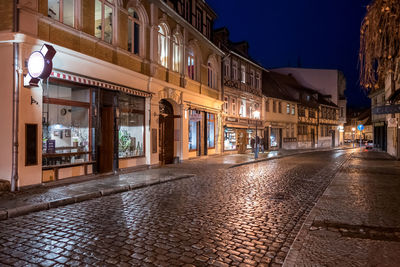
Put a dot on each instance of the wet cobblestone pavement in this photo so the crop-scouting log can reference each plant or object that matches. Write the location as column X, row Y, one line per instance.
column 244, row 216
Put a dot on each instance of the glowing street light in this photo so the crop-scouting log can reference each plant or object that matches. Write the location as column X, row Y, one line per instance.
column 256, row 115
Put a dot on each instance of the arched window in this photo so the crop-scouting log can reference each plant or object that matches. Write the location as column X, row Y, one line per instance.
column 212, row 75
column 103, row 20
column 191, row 64
column 134, row 28
column 177, row 53
column 163, row 44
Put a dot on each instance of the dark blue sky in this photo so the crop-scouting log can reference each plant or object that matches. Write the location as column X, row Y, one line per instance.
column 322, row 33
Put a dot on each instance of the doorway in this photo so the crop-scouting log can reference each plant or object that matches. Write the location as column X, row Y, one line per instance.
column 106, row 137
column 312, row 138
column 333, row 138
column 166, row 134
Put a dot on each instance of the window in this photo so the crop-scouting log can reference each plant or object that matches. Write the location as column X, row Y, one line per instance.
column 66, row 126
column 311, row 114
column 188, row 10
column 62, row 10
column 252, row 79
column 131, row 126
column 242, row 112
column 227, row 69
column 177, row 52
column 301, row 111
column 280, row 107
column 288, row 108
column 243, row 73
column 292, row 130
column 103, row 24
column 212, row 76
column 226, row 104
column 308, row 98
column 163, row 45
column 267, row 105
column 293, row 110
column 199, row 20
column 210, row 130
column 193, row 130
column 133, row 31
column 274, row 106
column 287, row 130
column 234, row 106
column 235, row 71
column 191, row 65
column 341, row 112
column 258, row 81
column 208, row 28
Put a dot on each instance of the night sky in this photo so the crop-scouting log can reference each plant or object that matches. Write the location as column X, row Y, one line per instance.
column 321, row 33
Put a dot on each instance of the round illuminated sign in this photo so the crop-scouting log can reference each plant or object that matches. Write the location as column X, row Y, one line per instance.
column 36, row 64
column 360, row 127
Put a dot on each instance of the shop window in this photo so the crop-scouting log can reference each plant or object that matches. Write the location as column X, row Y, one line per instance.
column 176, row 53
column 163, row 45
column 229, row 139
column 210, row 130
column 193, row 129
column 66, row 137
column 134, row 27
column 191, row 65
column 62, row 10
column 131, row 126
column 274, row 137
column 103, row 24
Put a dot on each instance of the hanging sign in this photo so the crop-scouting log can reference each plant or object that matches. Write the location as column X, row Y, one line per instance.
column 40, row 65
column 360, row 127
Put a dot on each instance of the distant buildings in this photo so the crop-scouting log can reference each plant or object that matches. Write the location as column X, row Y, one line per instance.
column 144, row 83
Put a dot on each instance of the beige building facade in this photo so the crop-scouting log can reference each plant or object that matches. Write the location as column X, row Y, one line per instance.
column 134, row 83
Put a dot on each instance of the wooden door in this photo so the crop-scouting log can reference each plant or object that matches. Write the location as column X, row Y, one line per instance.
column 106, row 149
column 166, row 125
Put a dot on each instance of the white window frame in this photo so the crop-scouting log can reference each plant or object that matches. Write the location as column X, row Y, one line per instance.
column 211, row 75
column 235, row 71
column 61, row 13
column 227, row 69
column 191, row 60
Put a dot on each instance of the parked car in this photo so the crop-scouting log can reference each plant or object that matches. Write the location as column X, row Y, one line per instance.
column 347, row 141
column 369, row 144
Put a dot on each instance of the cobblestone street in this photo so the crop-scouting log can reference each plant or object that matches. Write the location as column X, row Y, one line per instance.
column 247, row 215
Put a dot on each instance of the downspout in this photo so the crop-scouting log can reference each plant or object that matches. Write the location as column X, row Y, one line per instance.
column 14, row 172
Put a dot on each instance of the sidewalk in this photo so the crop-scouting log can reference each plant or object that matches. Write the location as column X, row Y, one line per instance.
column 75, row 190
column 356, row 222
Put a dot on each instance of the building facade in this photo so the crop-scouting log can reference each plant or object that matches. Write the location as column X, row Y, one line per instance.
column 134, row 83
column 379, row 120
column 242, row 80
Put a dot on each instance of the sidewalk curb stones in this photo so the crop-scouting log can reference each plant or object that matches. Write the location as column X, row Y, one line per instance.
column 22, row 210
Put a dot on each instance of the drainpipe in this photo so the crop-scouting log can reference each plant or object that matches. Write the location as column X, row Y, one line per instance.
column 14, row 172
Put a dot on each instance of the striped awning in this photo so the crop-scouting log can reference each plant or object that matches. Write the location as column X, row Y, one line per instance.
column 93, row 82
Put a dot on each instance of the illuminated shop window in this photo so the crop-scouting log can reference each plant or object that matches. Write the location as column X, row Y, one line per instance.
column 62, row 10
column 210, row 130
column 131, row 126
column 103, row 20
column 193, row 129
column 65, row 124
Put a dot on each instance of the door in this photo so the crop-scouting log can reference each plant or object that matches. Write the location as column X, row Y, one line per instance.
column 166, row 125
column 312, row 138
column 280, row 138
column 333, row 138
column 106, row 149
column 398, row 143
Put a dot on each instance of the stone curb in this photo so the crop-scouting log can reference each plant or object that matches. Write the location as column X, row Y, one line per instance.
column 284, row 156
column 298, row 242
column 29, row 208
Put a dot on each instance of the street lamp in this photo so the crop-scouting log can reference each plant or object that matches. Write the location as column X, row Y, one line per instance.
column 256, row 115
column 354, row 131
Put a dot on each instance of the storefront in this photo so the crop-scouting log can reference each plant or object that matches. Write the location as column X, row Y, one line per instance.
column 202, row 132
column 240, row 134
column 90, row 127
